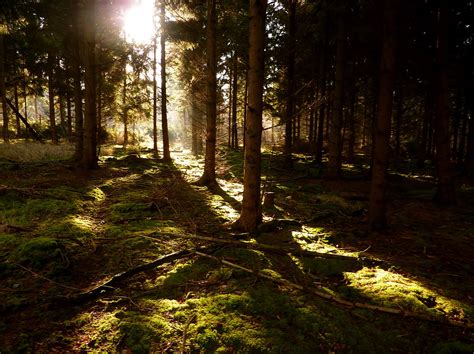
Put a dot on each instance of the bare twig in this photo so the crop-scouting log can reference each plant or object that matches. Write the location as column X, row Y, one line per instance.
column 45, row 278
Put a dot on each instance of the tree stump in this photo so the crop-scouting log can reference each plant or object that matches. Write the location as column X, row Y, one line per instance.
column 269, row 200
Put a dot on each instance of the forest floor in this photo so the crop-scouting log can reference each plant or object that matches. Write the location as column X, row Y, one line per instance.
column 62, row 233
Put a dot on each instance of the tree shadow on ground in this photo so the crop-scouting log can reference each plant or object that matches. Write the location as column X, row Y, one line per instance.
column 196, row 304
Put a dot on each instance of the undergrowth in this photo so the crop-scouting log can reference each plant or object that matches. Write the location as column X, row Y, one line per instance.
column 57, row 239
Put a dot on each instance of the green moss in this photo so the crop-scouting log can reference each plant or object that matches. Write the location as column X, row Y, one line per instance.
column 130, row 210
column 141, row 331
column 96, row 194
column 38, row 252
column 75, row 228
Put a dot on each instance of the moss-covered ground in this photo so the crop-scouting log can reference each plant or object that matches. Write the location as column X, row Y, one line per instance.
column 63, row 232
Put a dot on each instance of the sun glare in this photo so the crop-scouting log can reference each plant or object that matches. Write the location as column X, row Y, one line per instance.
column 138, row 22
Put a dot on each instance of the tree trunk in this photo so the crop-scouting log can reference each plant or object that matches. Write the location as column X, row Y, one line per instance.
column 352, row 132
column 17, row 120
column 209, row 176
column 445, row 194
column 398, row 123
column 323, row 100
column 235, row 141
column 334, row 160
column 100, row 78
column 246, row 91
column 251, row 214
column 469, row 161
column 89, row 155
column 155, row 94
column 52, row 117
column 69, row 115
column 462, row 140
column 194, row 125
column 3, row 92
column 290, row 94
column 378, row 203
column 76, row 74
column 164, row 111
column 124, row 104
column 229, row 127
column 25, row 99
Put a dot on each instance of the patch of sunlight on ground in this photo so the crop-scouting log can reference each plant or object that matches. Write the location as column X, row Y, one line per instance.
column 387, row 287
column 222, row 208
column 234, row 190
column 27, row 151
column 312, row 239
column 413, row 176
column 82, row 222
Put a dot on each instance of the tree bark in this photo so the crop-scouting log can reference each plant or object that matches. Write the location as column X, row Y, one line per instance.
column 251, row 214
column 229, row 128
column 235, row 141
column 17, row 120
column 469, row 161
column 334, row 160
column 89, row 155
column 378, row 203
column 52, row 118
column 323, row 99
column 3, row 92
column 209, row 176
column 155, row 110
column 76, row 75
column 290, row 94
column 69, row 115
column 164, row 111
column 445, row 193
column 352, row 128
column 124, row 104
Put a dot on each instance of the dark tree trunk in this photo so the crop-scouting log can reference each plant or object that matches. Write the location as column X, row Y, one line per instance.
column 89, row 154
column 155, row 111
column 69, row 115
column 290, row 94
column 229, row 128
column 246, row 105
column 25, row 99
column 251, row 214
column 445, row 193
column 100, row 78
column 462, row 140
column 323, row 102
column 398, row 123
column 378, row 203
column 469, row 161
column 209, row 176
column 235, row 141
column 76, row 75
column 124, row 104
column 3, row 93
column 351, row 123
column 334, row 161
column 52, row 114
column 164, row 111
column 17, row 120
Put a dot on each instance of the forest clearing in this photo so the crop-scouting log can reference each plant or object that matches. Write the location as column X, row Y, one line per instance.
column 262, row 176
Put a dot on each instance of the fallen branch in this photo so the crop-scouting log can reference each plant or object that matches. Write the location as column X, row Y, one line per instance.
column 262, row 246
column 339, row 300
column 109, row 284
